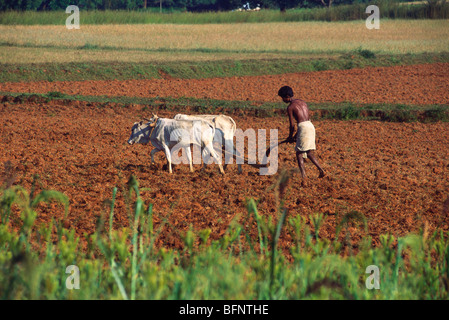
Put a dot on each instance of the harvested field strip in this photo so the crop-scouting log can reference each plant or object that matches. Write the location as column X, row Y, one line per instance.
column 319, row 111
column 424, row 84
column 395, row 36
column 238, row 42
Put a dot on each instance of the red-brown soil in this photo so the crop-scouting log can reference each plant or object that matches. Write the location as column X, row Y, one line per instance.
column 415, row 84
column 396, row 174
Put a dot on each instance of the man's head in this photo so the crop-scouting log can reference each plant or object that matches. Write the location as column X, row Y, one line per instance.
column 286, row 93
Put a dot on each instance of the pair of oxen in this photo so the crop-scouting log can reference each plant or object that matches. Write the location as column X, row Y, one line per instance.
column 183, row 131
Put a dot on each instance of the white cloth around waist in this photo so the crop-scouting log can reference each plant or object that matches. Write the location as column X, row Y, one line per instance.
column 305, row 137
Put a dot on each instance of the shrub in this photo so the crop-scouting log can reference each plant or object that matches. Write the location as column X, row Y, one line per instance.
column 348, row 113
column 320, row 65
column 437, row 114
column 55, row 95
column 365, row 53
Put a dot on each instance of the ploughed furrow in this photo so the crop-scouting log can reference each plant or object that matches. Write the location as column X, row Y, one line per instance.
column 415, row 84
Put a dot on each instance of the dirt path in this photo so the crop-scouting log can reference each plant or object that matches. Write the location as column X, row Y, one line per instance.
column 416, row 84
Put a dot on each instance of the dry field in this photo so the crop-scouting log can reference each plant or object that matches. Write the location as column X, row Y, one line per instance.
column 396, row 174
column 416, row 84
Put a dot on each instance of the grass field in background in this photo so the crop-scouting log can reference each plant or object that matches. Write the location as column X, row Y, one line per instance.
column 54, row 53
column 161, row 43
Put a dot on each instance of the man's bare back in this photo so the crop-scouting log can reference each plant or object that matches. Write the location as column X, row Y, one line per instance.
column 297, row 110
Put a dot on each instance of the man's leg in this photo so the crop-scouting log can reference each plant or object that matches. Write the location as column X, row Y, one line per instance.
column 301, row 166
column 311, row 155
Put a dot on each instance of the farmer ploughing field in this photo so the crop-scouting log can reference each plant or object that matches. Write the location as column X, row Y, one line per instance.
column 85, row 216
column 305, row 134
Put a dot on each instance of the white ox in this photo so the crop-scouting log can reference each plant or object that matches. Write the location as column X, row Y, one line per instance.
column 164, row 134
column 224, row 132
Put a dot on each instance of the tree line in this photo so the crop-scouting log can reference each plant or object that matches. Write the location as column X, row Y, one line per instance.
column 170, row 5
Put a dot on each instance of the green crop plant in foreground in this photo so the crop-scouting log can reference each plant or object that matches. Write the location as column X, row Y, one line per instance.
column 242, row 264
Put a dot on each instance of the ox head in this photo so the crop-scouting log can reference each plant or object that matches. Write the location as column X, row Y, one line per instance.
column 141, row 131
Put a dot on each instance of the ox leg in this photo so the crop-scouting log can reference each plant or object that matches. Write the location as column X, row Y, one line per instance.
column 152, row 154
column 214, row 155
column 229, row 147
column 205, row 153
column 239, row 165
column 203, row 168
column 225, row 145
column 168, row 156
column 189, row 157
